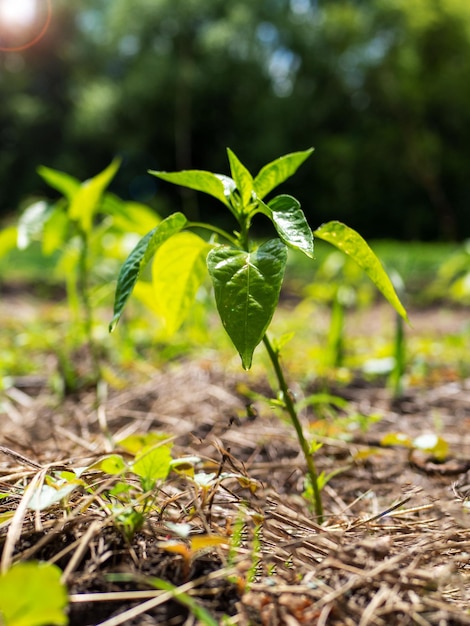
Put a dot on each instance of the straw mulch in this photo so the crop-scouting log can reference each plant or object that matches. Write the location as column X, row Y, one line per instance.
column 394, row 547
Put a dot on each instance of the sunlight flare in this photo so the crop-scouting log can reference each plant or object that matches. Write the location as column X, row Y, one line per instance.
column 17, row 13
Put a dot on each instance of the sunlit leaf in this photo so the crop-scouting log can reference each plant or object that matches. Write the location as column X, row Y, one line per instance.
column 433, row 444
column 178, row 270
column 139, row 258
column 198, row 180
column 153, row 465
column 185, row 465
column 85, row 200
column 290, row 223
column 31, row 223
column 60, row 181
column 276, row 172
column 113, row 464
column 54, row 234
column 5, row 518
column 247, row 287
column 8, row 240
column 142, row 441
column 350, row 242
column 396, row 439
column 242, row 177
column 130, row 217
column 32, row 594
column 49, row 495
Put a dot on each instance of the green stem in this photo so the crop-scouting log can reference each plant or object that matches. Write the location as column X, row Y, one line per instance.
column 290, row 408
column 213, row 229
column 84, row 292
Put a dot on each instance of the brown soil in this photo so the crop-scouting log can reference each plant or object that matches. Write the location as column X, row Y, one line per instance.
column 394, row 547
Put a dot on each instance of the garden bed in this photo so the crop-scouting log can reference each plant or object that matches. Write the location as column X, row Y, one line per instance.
column 394, row 547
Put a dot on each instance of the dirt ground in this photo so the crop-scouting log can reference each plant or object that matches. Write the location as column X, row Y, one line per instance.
column 394, row 547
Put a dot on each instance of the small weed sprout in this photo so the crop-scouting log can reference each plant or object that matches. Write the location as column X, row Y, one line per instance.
column 246, row 276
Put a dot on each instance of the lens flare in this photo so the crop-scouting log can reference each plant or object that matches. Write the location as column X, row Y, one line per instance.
column 19, row 17
column 17, row 12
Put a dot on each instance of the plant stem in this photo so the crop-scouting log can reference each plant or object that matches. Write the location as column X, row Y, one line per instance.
column 84, row 292
column 290, row 408
column 214, row 229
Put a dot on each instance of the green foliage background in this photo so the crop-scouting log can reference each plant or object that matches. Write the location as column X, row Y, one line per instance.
column 379, row 87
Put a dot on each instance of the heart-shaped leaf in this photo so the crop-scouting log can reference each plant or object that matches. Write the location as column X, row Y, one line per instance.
column 138, row 259
column 276, row 172
column 350, row 242
column 247, row 287
column 290, row 223
column 152, row 465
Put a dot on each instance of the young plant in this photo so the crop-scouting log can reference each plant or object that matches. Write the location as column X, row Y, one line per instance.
column 246, row 276
column 83, row 232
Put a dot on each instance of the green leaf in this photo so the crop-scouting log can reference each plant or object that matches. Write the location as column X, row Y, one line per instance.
column 54, row 234
column 247, row 287
column 49, row 495
column 32, row 222
column 138, row 259
column 142, row 441
column 152, row 465
column 433, row 444
column 242, row 177
column 199, row 180
column 290, row 223
column 179, row 268
column 31, row 594
column 85, row 200
column 8, row 240
column 60, row 181
column 276, row 172
column 351, row 243
column 112, row 464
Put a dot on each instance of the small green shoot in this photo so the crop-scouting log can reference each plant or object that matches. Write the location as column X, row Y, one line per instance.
column 246, row 276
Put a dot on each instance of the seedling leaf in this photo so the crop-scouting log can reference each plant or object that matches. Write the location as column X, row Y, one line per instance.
column 152, row 465
column 199, row 180
column 60, row 181
column 247, row 287
column 179, row 268
column 48, row 495
column 113, row 464
column 31, row 594
column 351, row 243
column 279, row 170
column 242, row 177
column 290, row 223
column 85, row 201
column 140, row 441
column 138, row 259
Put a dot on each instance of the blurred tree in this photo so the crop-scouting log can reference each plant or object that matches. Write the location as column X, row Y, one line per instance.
column 380, row 88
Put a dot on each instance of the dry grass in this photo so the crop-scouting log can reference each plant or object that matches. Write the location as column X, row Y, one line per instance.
column 394, row 549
